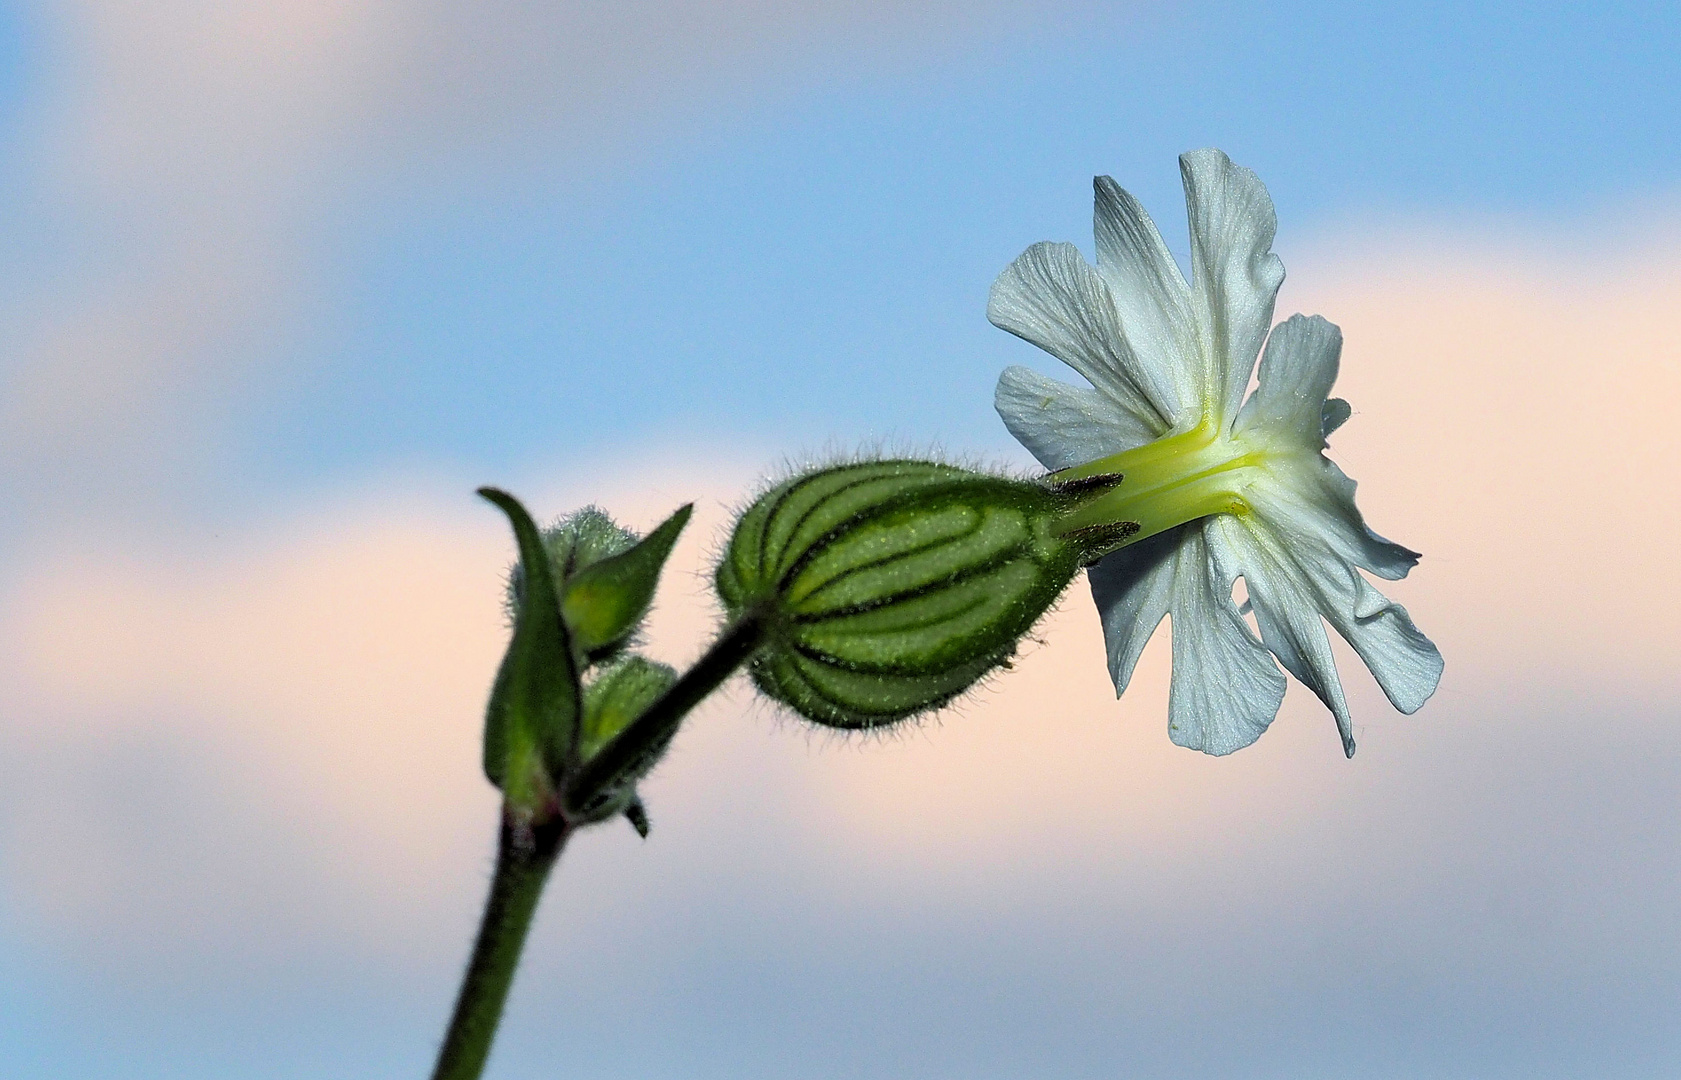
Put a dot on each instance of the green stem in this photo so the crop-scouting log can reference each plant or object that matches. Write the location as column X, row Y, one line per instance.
column 524, row 857
column 650, row 731
column 526, row 854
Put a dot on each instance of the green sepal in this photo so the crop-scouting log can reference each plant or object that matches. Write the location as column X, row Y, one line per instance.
column 605, row 601
column 895, row 585
column 531, row 726
column 614, row 699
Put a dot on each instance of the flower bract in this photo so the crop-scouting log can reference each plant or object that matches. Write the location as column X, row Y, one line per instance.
column 1219, row 487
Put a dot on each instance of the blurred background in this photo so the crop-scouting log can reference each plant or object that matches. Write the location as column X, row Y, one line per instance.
column 281, row 283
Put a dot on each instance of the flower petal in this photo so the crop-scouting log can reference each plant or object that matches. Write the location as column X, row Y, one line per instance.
column 1298, row 369
column 1053, row 298
column 1405, row 663
column 1151, row 295
column 1287, row 610
column 1235, row 276
column 1334, row 415
column 1226, row 689
column 1305, row 494
column 1293, row 581
column 1311, row 501
column 1133, row 588
column 1064, row 425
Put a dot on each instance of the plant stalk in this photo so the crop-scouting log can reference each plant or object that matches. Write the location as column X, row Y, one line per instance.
column 524, row 857
column 526, row 853
column 654, row 728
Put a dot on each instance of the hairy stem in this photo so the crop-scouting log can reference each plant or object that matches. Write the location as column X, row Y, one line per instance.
column 524, row 857
column 650, row 731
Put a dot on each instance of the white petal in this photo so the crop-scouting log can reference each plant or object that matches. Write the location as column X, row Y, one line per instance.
column 1150, row 293
column 1287, row 610
column 1405, row 663
column 1309, row 500
column 1064, row 425
column 1133, row 588
column 1305, row 494
column 1294, row 581
column 1226, row 689
column 1235, row 276
column 1297, row 371
column 1053, row 298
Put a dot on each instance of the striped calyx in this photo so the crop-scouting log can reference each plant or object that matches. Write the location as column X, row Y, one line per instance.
column 890, row 587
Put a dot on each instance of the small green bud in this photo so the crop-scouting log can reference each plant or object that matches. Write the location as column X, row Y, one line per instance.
column 621, row 693
column 604, row 602
column 604, row 576
column 618, row 695
column 890, row 587
column 577, row 541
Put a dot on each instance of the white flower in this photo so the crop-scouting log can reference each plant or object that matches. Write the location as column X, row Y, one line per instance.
column 1220, row 487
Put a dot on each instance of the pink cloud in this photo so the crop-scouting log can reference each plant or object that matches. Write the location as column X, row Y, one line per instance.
column 329, row 674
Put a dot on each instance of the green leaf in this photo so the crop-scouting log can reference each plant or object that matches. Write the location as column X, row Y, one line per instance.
column 605, row 601
column 531, row 725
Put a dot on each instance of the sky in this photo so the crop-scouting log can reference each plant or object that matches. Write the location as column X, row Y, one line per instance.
column 280, row 285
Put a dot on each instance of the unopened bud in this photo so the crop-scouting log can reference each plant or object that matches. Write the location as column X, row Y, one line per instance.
column 604, row 577
column 617, row 696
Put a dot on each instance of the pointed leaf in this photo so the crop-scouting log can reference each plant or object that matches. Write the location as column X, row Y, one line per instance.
column 534, row 705
column 604, row 602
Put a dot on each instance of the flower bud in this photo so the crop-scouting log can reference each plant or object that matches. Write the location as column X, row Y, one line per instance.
column 604, row 576
column 890, row 587
column 577, row 597
column 618, row 695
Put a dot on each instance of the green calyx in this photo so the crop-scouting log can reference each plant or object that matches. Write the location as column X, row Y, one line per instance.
column 566, row 686
column 893, row 586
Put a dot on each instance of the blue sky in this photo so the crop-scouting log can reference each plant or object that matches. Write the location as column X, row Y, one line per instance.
column 814, row 237
column 835, row 222
column 282, row 284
